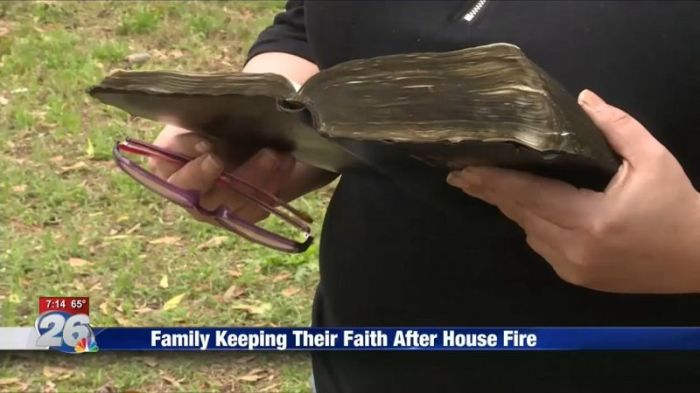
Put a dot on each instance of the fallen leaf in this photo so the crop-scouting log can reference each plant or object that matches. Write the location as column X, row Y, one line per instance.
column 19, row 188
column 291, row 291
column 254, row 375
column 8, row 381
column 159, row 54
column 55, row 159
column 3, row 31
column 138, row 58
column 103, row 308
column 270, row 388
column 57, row 373
column 176, row 54
column 259, row 309
column 215, row 241
column 116, row 237
column 171, row 380
column 39, row 114
column 166, row 240
column 281, row 277
column 107, row 389
column 246, row 359
column 143, row 310
column 173, row 302
column 49, row 387
column 123, row 321
column 250, row 378
column 4, row 101
column 75, row 167
column 150, row 361
column 163, row 281
column 78, row 262
column 235, row 273
column 133, row 229
column 90, row 149
column 113, row 232
column 122, row 218
column 79, row 285
column 233, row 292
column 19, row 90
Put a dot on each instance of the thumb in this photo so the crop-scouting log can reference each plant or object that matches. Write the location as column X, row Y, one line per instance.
column 625, row 134
column 199, row 174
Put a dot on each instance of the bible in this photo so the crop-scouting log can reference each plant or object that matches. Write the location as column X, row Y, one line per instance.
column 409, row 116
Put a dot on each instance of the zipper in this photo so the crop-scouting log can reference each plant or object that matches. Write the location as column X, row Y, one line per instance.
column 474, row 10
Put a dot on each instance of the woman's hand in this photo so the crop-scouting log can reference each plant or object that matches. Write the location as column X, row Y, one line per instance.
column 642, row 235
column 267, row 170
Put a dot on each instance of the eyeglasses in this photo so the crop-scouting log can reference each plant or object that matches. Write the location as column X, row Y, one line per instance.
column 295, row 220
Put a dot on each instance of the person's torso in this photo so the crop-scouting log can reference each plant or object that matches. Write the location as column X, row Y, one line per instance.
column 390, row 259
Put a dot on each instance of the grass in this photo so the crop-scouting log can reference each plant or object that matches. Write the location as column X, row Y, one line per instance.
column 62, row 200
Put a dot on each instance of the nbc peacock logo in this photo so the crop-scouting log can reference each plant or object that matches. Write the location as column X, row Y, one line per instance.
column 87, row 344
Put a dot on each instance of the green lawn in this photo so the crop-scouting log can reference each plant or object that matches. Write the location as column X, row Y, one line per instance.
column 72, row 224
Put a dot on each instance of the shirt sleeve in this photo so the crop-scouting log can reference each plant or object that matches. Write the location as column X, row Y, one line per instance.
column 286, row 34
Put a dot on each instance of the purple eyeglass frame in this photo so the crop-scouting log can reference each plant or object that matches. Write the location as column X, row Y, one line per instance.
column 222, row 214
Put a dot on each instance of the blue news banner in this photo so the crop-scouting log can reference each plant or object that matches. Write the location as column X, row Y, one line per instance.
column 395, row 339
column 63, row 324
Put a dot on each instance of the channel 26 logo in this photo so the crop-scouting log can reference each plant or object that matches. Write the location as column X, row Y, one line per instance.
column 64, row 324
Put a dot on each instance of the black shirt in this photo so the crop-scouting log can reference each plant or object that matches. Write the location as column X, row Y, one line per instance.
column 390, row 259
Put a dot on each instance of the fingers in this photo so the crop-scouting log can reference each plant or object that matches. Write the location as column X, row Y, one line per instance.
column 552, row 200
column 267, row 170
column 180, row 141
column 625, row 134
column 276, row 178
column 199, row 174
